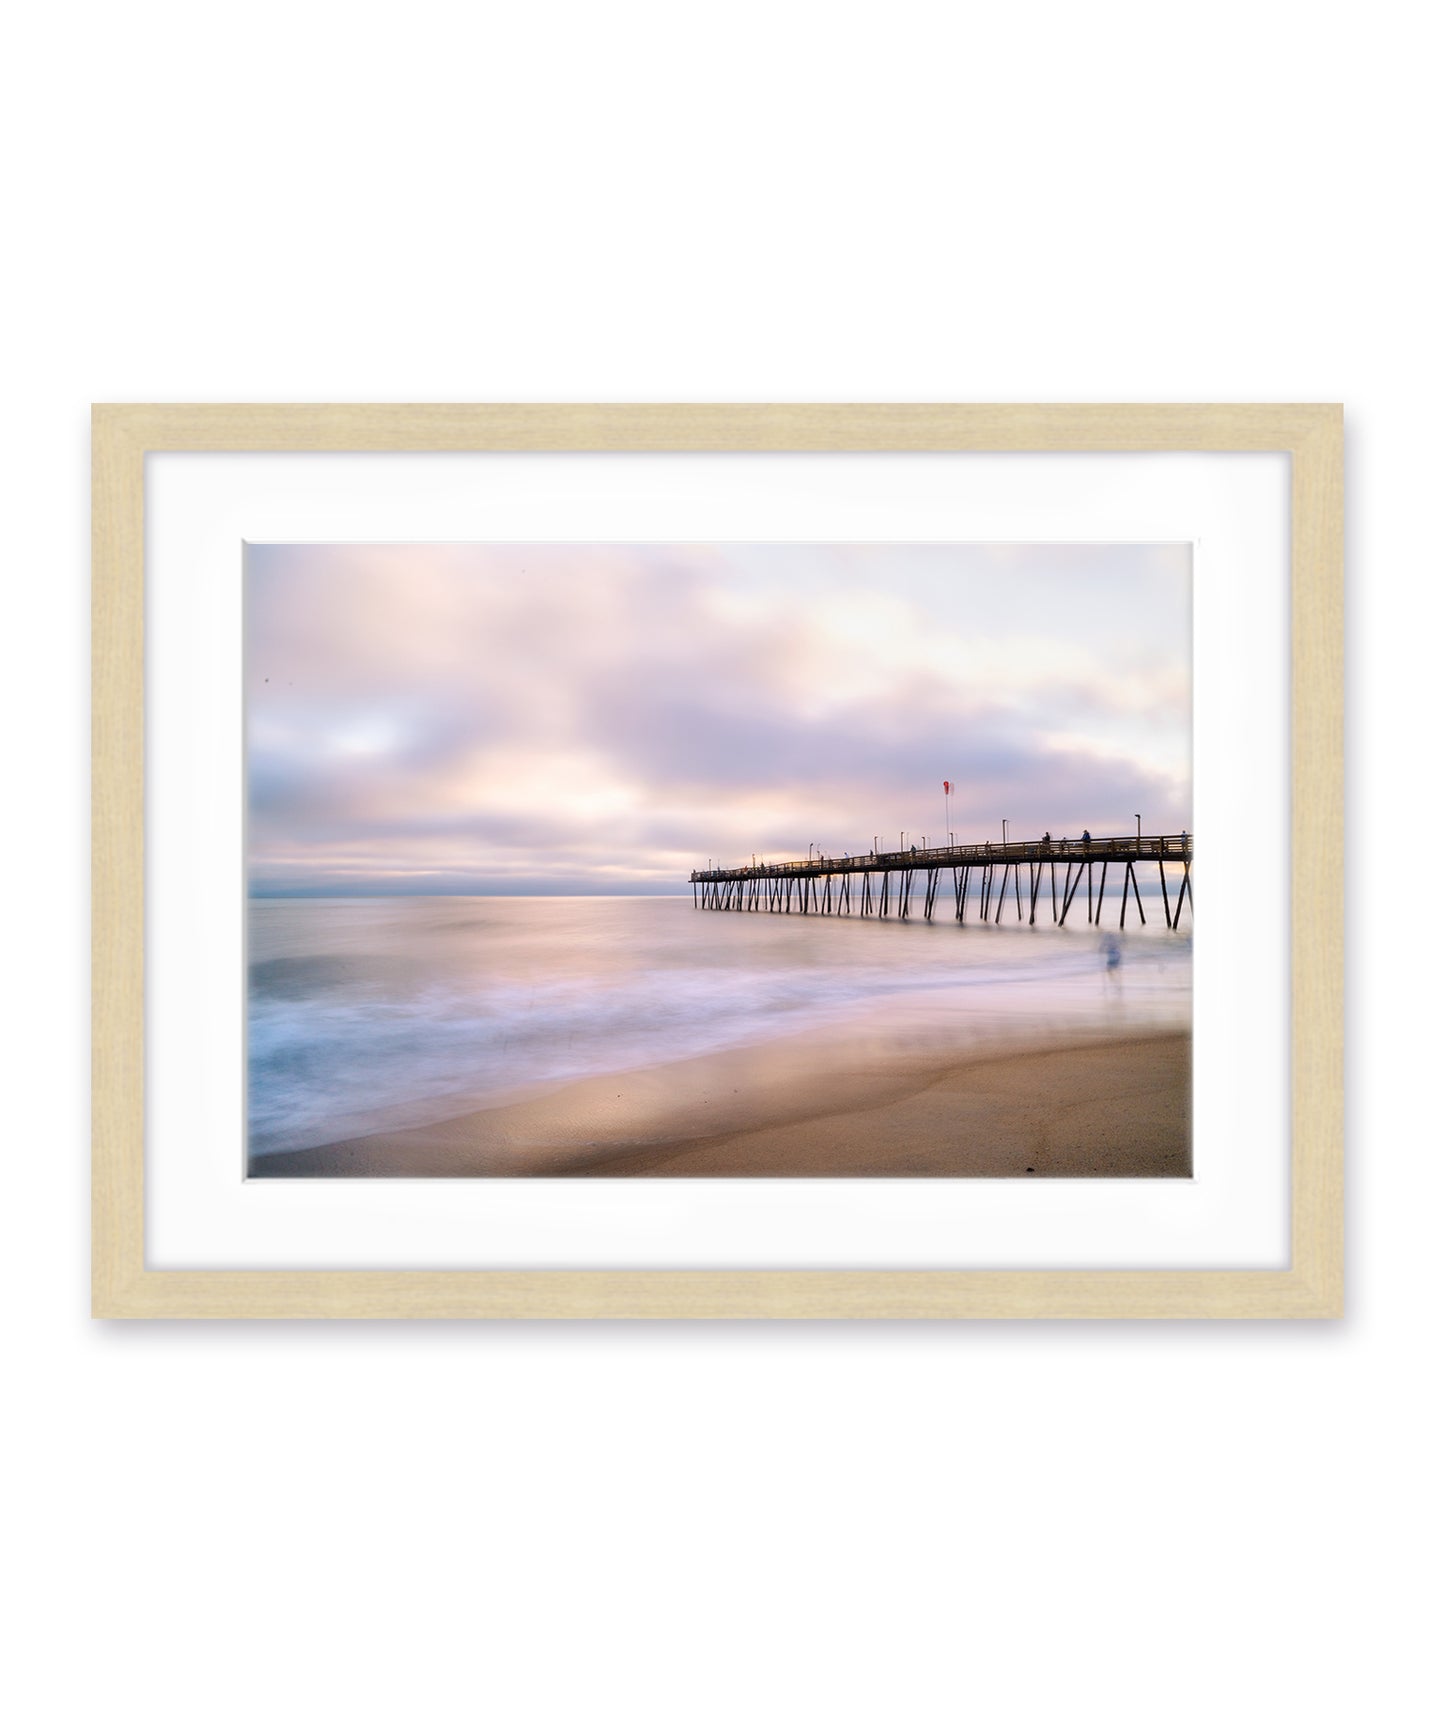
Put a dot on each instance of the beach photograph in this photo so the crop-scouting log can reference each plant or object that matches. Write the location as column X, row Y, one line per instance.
column 723, row 860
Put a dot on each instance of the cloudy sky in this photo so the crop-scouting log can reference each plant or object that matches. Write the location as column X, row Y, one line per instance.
column 571, row 718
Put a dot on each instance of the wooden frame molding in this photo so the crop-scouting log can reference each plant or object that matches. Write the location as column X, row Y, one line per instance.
column 122, row 437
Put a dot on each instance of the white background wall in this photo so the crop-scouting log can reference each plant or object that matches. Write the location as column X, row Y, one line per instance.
column 543, row 1527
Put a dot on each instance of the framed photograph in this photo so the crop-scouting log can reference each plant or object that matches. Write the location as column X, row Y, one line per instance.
column 717, row 861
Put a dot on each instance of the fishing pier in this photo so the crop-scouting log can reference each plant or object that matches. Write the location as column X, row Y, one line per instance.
column 968, row 876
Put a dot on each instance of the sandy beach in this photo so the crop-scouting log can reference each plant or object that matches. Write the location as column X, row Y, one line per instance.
column 851, row 1105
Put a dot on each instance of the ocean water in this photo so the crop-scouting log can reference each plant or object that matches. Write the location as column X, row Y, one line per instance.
column 372, row 1014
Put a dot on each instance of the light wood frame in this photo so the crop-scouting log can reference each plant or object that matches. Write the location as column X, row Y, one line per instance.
column 1312, row 1285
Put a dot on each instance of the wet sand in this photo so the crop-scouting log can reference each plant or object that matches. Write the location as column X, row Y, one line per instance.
column 854, row 1106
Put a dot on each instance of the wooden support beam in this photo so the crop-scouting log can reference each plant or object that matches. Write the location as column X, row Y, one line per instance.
column 1143, row 920
column 1070, row 890
column 1103, row 875
column 1179, row 906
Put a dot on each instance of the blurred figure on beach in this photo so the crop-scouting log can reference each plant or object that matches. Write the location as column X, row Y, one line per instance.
column 1112, row 948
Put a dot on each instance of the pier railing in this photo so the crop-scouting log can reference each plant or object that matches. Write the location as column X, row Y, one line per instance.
column 778, row 886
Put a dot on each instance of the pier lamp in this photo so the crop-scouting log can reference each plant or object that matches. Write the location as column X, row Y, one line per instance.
column 1005, row 833
column 900, row 842
column 1138, row 832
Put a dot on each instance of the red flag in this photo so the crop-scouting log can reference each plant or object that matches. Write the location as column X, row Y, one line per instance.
column 948, row 788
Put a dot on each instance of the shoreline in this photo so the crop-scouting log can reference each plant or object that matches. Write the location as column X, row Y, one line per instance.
column 853, row 1106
